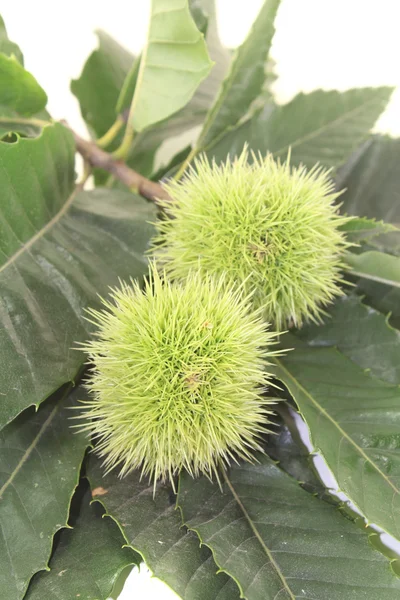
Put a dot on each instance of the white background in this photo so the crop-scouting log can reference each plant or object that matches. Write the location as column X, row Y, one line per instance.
column 340, row 44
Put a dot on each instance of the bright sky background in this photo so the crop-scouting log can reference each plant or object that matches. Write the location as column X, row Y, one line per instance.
column 341, row 44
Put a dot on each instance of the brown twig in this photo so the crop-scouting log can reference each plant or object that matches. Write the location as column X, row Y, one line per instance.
column 97, row 157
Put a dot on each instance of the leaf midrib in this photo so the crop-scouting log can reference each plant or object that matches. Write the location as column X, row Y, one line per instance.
column 39, row 234
column 336, row 424
column 258, row 536
column 34, row 443
column 323, row 128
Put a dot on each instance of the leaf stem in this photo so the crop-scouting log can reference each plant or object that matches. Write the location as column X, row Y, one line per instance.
column 111, row 134
column 122, row 152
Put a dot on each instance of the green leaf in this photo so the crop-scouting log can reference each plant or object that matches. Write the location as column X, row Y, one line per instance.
column 221, row 56
column 19, row 90
column 362, row 334
column 361, row 229
column 200, row 17
column 372, row 180
column 128, row 88
column 99, row 109
column 100, row 83
column 245, row 79
column 377, row 266
column 87, row 561
column 40, row 461
column 60, row 248
column 321, row 127
column 173, row 64
column 384, row 298
column 6, row 46
column 11, row 123
column 279, row 541
column 152, row 526
column 354, row 421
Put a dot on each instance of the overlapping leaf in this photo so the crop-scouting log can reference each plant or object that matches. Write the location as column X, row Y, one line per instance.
column 372, row 180
column 40, row 461
column 8, row 47
column 172, row 66
column 104, row 106
column 245, row 79
column 100, row 83
column 19, row 90
column 11, row 123
column 60, row 248
column 362, row 334
column 221, row 56
column 371, row 177
column 354, row 421
column 87, row 560
column 286, row 448
column 384, row 298
column 362, row 229
column 377, row 266
column 321, row 127
column 279, row 541
column 152, row 526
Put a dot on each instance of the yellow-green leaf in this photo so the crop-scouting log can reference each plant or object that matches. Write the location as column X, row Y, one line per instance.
column 174, row 62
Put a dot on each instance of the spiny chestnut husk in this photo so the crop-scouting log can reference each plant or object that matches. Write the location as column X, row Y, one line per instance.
column 179, row 375
column 267, row 225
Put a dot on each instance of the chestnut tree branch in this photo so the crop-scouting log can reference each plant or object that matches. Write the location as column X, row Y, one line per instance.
column 96, row 157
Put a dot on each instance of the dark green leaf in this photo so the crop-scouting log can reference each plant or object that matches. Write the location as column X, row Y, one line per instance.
column 323, row 127
column 60, row 249
column 209, row 88
column 245, row 79
column 173, row 64
column 377, row 266
column 87, row 560
column 175, row 161
column 6, row 46
column 250, row 133
column 384, row 298
column 279, row 541
column 354, row 421
column 286, row 448
column 40, row 460
column 128, row 88
column 200, row 17
column 19, row 90
column 152, row 527
column 362, row 334
column 100, row 83
column 372, row 180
